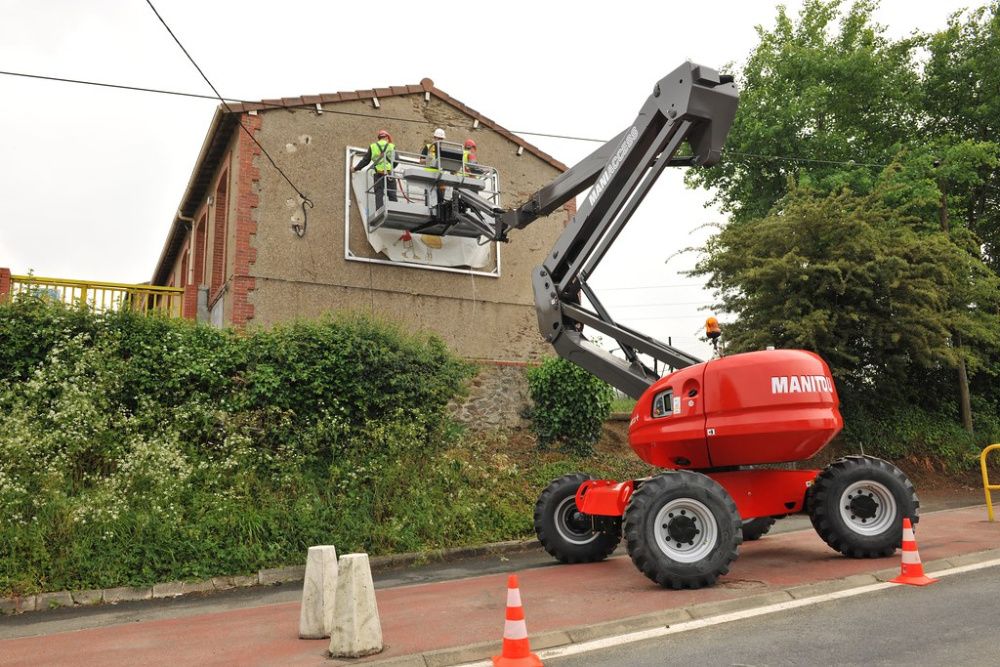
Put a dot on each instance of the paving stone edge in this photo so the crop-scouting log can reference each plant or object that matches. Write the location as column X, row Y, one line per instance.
column 267, row 577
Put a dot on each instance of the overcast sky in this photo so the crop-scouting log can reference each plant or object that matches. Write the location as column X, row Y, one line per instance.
column 91, row 177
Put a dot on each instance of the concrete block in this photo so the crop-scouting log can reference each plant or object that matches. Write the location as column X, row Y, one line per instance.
column 738, row 604
column 280, row 575
column 46, row 601
column 623, row 626
column 462, row 654
column 974, row 558
column 937, row 565
column 88, row 597
column 126, row 594
column 225, row 583
column 356, row 630
column 189, row 587
column 549, row 640
column 16, row 605
column 887, row 574
column 169, row 589
column 319, row 591
column 825, row 587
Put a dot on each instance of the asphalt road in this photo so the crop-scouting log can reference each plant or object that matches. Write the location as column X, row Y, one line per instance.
column 952, row 622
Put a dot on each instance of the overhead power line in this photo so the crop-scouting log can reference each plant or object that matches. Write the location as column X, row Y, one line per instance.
column 305, row 201
column 341, row 112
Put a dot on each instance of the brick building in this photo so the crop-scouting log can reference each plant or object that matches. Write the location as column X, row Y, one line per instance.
column 233, row 248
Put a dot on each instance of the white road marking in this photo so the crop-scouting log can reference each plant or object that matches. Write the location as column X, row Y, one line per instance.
column 653, row 633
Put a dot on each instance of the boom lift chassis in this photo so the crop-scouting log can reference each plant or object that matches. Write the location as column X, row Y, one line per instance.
column 706, row 423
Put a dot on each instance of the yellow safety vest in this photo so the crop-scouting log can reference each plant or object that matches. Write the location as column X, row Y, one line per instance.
column 383, row 153
column 468, row 157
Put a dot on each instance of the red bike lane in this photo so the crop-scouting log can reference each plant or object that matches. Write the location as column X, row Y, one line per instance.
column 440, row 615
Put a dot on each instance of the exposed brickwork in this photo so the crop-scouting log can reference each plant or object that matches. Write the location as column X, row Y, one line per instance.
column 4, row 283
column 246, row 227
column 219, row 237
column 189, row 307
column 199, row 250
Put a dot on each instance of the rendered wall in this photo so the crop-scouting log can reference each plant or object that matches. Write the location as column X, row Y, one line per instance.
column 481, row 317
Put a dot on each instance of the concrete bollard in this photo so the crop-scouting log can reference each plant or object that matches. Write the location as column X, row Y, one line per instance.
column 356, row 629
column 318, row 591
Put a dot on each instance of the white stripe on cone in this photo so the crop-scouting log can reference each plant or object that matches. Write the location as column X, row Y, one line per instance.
column 513, row 597
column 515, row 630
column 908, row 535
column 911, row 558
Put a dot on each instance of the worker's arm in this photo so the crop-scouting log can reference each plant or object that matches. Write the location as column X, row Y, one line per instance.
column 365, row 161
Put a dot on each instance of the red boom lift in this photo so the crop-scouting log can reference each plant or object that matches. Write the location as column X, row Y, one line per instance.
column 717, row 426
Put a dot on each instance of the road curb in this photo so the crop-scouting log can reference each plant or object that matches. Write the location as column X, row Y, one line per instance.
column 459, row 655
column 266, row 577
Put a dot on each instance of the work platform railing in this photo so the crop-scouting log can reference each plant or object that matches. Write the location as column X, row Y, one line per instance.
column 438, row 195
column 100, row 297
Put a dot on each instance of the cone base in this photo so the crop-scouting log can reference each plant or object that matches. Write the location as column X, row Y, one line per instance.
column 531, row 660
column 919, row 580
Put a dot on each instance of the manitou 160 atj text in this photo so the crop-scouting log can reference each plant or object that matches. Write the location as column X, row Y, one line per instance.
column 710, row 424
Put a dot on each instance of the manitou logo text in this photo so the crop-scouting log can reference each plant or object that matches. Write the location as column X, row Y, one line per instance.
column 796, row 384
column 613, row 164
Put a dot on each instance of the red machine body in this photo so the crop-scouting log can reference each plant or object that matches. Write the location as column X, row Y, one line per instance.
column 749, row 409
column 772, row 406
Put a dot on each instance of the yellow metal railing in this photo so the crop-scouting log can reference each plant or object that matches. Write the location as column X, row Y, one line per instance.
column 101, row 297
column 986, row 480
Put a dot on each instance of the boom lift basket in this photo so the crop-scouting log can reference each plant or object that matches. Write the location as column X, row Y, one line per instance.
column 439, row 196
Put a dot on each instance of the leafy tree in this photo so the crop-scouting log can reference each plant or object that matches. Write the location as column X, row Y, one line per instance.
column 853, row 278
column 826, row 101
column 961, row 87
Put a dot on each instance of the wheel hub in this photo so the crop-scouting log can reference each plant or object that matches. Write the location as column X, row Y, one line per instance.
column 685, row 530
column 682, row 528
column 864, row 507
column 868, row 507
column 573, row 525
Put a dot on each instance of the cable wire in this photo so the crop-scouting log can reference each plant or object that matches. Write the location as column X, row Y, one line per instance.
column 159, row 91
column 341, row 112
column 306, row 203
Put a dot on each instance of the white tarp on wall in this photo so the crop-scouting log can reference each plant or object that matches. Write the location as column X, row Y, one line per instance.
column 400, row 246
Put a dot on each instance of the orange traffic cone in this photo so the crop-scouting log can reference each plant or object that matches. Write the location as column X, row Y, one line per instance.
column 912, row 571
column 516, row 651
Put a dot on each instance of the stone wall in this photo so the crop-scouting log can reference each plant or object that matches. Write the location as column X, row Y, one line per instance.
column 498, row 399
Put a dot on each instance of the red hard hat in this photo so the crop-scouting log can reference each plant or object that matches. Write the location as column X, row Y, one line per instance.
column 384, row 133
column 469, row 143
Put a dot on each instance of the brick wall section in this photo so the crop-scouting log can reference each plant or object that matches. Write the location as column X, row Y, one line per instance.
column 4, row 283
column 189, row 306
column 219, row 237
column 246, row 227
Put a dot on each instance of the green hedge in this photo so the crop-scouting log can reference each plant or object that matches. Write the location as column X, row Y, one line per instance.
column 570, row 405
column 141, row 449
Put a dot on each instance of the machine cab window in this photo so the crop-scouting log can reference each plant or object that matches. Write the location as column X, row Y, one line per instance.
column 663, row 404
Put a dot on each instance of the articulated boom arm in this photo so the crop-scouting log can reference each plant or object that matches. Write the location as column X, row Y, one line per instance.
column 692, row 105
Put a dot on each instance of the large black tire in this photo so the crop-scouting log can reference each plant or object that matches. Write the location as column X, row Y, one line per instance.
column 754, row 529
column 565, row 532
column 857, row 505
column 682, row 530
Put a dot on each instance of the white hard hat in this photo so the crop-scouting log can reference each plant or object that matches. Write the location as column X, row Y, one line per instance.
column 439, row 133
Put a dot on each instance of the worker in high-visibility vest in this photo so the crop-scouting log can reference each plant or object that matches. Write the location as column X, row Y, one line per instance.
column 469, row 158
column 429, row 152
column 382, row 156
